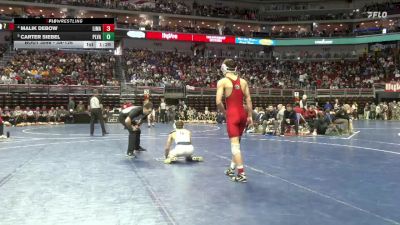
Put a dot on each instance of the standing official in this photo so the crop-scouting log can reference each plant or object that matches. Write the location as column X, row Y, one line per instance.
column 131, row 118
column 163, row 110
column 95, row 113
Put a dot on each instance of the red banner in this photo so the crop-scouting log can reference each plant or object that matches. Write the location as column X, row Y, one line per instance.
column 171, row 36
column 392, row 87
column 168, row 36
column 213, row 38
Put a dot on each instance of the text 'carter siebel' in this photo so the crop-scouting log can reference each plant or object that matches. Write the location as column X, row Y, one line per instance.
column 40, row 36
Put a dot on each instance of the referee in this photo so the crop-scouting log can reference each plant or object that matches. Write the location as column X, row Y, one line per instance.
column 95, row 113
column 131, row 118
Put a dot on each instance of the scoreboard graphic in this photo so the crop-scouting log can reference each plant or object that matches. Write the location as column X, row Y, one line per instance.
column 55, row 33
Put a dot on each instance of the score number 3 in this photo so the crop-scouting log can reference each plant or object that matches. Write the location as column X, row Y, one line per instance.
column 108, row 27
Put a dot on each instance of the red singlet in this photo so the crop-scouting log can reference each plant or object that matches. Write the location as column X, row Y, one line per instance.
column 236, row 115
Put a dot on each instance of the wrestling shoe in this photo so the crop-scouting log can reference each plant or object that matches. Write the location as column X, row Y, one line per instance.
column 230, row 172
column 170, row 160
column 197, row 158
column 141, row 149
column 130, row 154
column 240, row 178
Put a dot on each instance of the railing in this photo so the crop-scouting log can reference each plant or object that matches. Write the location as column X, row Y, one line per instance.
column 257, row 92
column 188, row 91
column 349, row 92
column 139, row 90
column 57, row 89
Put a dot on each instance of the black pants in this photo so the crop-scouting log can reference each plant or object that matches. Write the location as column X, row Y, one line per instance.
column 96, row 114
column 311, row 123
column 162, row 115
column 1, row 129
column 320, row 126
column 284, row 123
column 134, row 137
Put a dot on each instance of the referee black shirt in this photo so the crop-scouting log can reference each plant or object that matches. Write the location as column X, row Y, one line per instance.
column 135, row 113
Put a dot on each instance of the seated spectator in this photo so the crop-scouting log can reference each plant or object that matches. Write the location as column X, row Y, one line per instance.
column 36, row 115
column 1, row 125
column 310, row 116
column 320, row 124
column 289, row 118
column 44, row 117
column 221, row 118
column 342, row 116
column 18, row 115
column 29, row 115
column 80, row 108
column 61, row 114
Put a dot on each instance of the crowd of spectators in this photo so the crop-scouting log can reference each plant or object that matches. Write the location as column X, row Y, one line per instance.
column 144, row 67
column 59, row 68
column 199, row 9
column 44, row 115
column 382, row 111
column 325, row 118
column 36, row 115
column 303, row 119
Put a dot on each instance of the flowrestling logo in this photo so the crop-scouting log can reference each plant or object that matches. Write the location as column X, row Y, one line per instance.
column 379, row 15
column 169, row 36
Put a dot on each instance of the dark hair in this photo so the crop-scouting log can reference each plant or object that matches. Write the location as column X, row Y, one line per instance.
column 230, row 63
column 148, row 105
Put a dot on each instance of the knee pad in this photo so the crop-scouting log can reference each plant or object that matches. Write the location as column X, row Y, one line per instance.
column 235, row 148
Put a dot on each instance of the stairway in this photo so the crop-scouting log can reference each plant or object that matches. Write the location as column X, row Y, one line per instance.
column 7, row 56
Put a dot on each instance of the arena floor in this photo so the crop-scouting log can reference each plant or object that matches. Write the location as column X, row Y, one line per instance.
column 61, row 175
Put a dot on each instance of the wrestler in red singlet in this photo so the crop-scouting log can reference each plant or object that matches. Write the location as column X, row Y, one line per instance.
column 235, row 90
column 236, row 116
